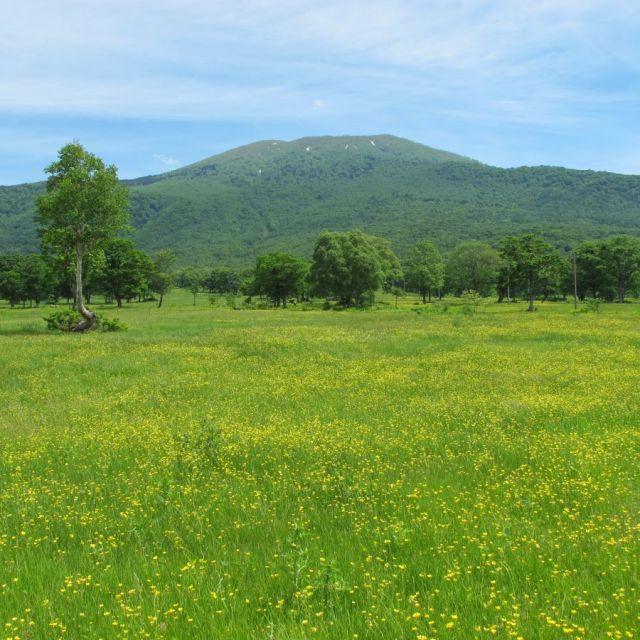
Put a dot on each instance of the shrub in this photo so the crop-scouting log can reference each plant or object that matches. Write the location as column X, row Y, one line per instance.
column 111, row 324
column 64, row 320
column 592, row 304
column 470, row 301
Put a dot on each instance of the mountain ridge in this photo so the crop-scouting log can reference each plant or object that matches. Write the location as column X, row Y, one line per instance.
column 278, row 195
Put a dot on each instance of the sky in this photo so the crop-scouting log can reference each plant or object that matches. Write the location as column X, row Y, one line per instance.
column 152, row 86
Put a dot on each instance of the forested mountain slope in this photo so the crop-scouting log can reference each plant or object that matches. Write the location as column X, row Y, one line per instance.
column 275, row 195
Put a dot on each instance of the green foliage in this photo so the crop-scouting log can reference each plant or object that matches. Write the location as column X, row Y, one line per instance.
column 198, row 447
column 12, row 286
column 161, row 274
column 425, row 271
column 279, row 276
column 534, row 267
column 591, row 305
column 27, row 278
column 472, row 266
column 165, row 261
column 591, row 269
column 389, row 263
column 224, row 280
column 64, row 320
column 263, row 198
column 622, row 259
column 127, row 272
column 470, row 301
column 83, row 208
column 110, row 325
column 84, row 205
column 160, row 283
column 349, row 265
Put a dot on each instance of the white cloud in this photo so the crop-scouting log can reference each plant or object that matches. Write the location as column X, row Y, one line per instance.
column 166, row 160
column 554, row 64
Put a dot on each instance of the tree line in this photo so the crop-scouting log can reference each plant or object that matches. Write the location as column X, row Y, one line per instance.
column 85, row 208
column 347, row 267
column 118, row 271
column 350, row 266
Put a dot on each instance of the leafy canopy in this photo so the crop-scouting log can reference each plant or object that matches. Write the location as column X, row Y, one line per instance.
column 84, row 205
column 472, row 266
column 425, row 272
column 534, row 266
column 350, row 264
column 280, row 275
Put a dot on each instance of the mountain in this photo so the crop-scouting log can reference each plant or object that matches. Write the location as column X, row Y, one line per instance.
column 275, row 195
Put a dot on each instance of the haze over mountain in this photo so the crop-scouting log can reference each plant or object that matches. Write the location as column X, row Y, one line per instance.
column 276, row 195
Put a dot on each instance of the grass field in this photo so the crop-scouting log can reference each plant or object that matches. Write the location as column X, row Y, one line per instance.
column 295, row 474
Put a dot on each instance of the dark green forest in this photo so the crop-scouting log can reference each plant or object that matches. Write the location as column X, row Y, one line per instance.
column 278, row 196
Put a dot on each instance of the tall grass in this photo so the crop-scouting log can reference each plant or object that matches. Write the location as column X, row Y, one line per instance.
column 293, row 474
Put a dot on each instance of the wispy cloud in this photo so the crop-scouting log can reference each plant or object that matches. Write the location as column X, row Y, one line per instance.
column 166, row 160
column 541, row 68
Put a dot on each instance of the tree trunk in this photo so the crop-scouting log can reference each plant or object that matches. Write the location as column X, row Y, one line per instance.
column 119, row 301
column 531, row 299
column 160, row 302
column 424, row 297
column 89, row 317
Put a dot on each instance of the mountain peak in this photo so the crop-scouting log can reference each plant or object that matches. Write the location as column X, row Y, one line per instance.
column 337, row 146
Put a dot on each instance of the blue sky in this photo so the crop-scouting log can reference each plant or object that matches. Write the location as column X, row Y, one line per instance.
column 150, row 86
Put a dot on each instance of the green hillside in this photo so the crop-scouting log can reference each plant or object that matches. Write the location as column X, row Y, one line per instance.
column 276, row 195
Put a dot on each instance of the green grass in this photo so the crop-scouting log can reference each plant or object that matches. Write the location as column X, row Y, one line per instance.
column 291, row 474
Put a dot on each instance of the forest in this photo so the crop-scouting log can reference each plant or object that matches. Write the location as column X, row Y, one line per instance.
column 275, row 196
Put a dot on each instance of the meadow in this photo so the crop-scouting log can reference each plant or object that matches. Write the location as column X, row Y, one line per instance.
column 290, row 474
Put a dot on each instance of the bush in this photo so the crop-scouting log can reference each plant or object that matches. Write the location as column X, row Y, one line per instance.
column 591, row 304
column 470, row 301
column 67, row 320
column 111, row 324
column 64, row 320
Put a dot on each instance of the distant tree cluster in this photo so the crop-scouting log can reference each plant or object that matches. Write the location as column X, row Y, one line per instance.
column 351, row 266
column 118, row 271
column 348, row 267
column 26, row 279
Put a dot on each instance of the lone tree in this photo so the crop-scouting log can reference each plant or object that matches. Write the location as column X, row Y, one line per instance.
column 535, row 266
column 84, row 206
column 279, row 276
column 351, row 264
column 472, row 266
column 162, row 275
column 425, row 272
